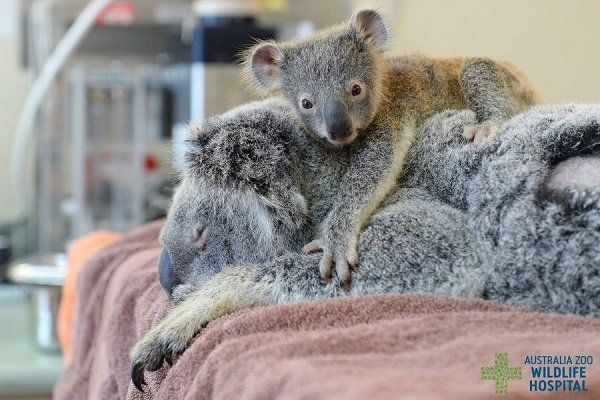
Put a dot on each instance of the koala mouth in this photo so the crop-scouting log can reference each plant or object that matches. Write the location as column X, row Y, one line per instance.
column 342, row 138
column 341, row 141
column 341, row 135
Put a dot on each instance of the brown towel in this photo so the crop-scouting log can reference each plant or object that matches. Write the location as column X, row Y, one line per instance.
column 372, row 347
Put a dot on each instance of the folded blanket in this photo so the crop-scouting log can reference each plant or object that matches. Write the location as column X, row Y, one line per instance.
column 376, row 347
column 116, row 291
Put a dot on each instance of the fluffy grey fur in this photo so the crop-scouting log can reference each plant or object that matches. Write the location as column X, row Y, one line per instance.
column 537, row 241
column 466, row 219
column 228, row 211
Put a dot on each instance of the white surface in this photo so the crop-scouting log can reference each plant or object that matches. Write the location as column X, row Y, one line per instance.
column 8, row 19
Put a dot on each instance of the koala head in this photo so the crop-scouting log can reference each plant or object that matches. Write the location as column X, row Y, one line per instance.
column 238, row 201
column 334, row 79
column 209, row 227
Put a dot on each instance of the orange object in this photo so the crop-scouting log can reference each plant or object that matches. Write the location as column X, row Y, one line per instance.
column 80, row 252
column 118, row 13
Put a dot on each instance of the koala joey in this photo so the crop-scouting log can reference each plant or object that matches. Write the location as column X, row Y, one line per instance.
column 352, row 97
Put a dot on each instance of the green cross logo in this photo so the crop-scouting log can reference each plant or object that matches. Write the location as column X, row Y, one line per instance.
column 501, row 373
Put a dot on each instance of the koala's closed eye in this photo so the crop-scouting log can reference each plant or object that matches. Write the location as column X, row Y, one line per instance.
column 199, row 237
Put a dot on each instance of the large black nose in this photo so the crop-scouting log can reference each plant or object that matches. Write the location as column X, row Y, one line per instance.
column 337, row 120
column 165, row 272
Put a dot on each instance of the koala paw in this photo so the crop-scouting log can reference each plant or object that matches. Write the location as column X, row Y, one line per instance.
column 477, row 133
column 164, row 342
column 345, row 258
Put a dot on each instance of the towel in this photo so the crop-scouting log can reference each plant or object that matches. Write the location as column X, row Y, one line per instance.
column 407, row 346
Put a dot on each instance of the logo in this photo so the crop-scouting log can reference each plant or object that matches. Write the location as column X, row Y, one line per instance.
column 559, row 372
column 548, row 372
column 501, row 373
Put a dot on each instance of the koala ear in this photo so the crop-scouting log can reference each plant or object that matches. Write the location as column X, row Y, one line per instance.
column 262, row 65
column 370, row 24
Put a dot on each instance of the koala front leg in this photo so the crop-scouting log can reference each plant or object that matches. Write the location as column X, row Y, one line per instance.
column 376, row 162
column 230, row 290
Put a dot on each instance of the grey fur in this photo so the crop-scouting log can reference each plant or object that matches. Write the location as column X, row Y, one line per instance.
column 579, row 172
column 251, row 214
column 470, row 220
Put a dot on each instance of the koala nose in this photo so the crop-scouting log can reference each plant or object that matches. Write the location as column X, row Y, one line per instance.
column 165, row 272
column 337, row 120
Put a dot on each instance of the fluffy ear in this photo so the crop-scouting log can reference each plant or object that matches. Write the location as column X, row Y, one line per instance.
column 370, row 24
column 262, row 65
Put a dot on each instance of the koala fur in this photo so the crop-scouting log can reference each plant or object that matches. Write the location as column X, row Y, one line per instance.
column 226, row 210
column 467, row 220
column 352, row 96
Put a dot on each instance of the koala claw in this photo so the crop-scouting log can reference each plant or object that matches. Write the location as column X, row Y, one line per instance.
column 326, row 265
column 344, row 264
column 149, row 357
column 352, row 257
column 161, row 344
column 315, row 246
column 137, row 376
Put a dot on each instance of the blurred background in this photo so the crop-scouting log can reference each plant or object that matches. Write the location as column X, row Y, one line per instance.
column 107, row 132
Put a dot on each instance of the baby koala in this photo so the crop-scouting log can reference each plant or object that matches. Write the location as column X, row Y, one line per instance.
column 353, row 98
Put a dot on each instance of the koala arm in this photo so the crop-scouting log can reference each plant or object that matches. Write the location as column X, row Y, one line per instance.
column 375, row 165
column 286, row 279
column 226, row 292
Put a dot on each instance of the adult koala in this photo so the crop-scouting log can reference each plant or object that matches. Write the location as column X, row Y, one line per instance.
column 506, row 219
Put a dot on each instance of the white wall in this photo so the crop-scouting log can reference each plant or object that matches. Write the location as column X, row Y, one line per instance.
column 556, row 42
column 14, row 84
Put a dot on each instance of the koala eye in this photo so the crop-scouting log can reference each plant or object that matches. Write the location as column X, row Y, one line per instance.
column 307, row 104
column 356, row 89
column 199, row 236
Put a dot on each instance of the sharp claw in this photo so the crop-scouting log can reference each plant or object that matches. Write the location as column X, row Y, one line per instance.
column 347, row 285
column 155, row 366
column 352, row 260
column 137, row 376
column 313, row 250
column 343, row 269
column 326, row 275
column 325, row 267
